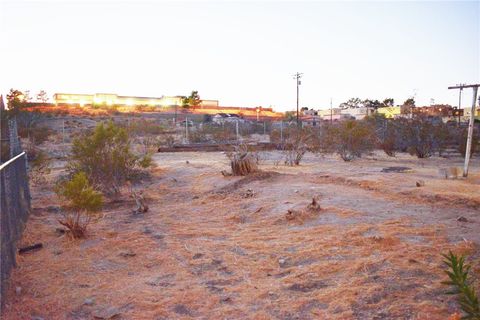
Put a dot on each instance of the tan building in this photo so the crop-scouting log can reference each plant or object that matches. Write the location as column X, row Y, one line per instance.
column 114, row 99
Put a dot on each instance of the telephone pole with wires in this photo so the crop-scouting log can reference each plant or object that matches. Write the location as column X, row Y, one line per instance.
column 297, row 76
column 470, row 124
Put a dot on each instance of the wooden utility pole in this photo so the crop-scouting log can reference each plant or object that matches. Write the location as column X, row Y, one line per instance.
column 470, row 125
column 331, row 112
column 297, row 76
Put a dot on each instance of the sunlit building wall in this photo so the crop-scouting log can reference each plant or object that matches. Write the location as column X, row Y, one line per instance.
column 114, row 99
column 389, row 112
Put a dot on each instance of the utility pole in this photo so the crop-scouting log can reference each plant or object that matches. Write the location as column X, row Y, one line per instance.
column 470, row 125
column 331, row 112
column 297, row 76
column 459, row 101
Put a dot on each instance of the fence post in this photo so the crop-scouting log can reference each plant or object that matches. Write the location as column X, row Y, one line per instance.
column 236, row 130
column 186, row 129
column 281, row 131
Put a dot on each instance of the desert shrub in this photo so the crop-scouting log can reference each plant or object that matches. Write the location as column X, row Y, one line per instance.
column 461, row 284
column 198, row 135
column 296, row 146
column 81, row 202
column 225, row 133
column 168, row 140
column 145, row 108
column 143, row 127
column 146, row 161
column 147, row 144
column 39, row 134
column 388, row 143
column 39, row 167
column 350, row 139
column 105, row 156
column 423, row 136
column 461, row 141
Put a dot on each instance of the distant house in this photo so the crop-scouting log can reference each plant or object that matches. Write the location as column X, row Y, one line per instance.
column 310, row 112
column 357, row 113
column 226, row 117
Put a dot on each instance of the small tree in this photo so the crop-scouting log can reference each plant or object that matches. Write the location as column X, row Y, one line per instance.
column 388, row 102
column 191, row 101
column 15, row 101
column 81, row 203
column 352, row 103
column 42, row 96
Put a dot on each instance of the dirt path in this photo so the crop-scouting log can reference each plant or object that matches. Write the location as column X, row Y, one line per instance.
column 208, row 249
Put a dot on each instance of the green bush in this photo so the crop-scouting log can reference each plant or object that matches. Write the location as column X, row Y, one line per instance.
column 105, row 156
column 81, row 203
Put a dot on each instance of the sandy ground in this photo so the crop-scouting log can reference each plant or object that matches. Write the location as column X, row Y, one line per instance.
column 208, row 249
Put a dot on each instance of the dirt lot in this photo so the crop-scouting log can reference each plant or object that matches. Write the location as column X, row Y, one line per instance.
column 210, row 248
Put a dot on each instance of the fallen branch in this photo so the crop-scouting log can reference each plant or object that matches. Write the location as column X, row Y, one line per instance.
column 30, row 248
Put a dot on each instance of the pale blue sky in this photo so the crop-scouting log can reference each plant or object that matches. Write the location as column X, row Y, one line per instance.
column 243, row 54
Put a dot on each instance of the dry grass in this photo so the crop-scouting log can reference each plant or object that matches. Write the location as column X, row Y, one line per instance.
column 203, row 250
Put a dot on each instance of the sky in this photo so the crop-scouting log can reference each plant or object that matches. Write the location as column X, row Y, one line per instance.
column 243, row 53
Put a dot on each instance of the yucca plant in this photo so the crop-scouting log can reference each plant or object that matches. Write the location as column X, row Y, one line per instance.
column 461, row 285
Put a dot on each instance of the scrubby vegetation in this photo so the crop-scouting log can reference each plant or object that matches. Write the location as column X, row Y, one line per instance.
column 350, row 139
column 105, row 156
column 81, row 202
column 40, row 167
column 296, row 146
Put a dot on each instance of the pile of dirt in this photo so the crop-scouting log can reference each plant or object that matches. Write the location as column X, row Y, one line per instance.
column 255, row 176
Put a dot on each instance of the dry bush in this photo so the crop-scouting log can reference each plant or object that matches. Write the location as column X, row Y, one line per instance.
column 219, row 134
column 420, row 136
column 137, row 195
column 142, row 127
column 296, row 146
column 461, row 141
column 39, row 168
column 199, row 135
column 351, row 138
column 38, row 134
column 81, row 204
column 242, row 161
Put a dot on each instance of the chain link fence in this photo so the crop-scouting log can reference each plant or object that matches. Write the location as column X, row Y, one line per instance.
column 15, row 205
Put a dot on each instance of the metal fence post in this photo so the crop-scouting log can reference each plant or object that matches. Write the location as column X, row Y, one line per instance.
column 281, row 131
column 236, row 130
column 186, row 129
